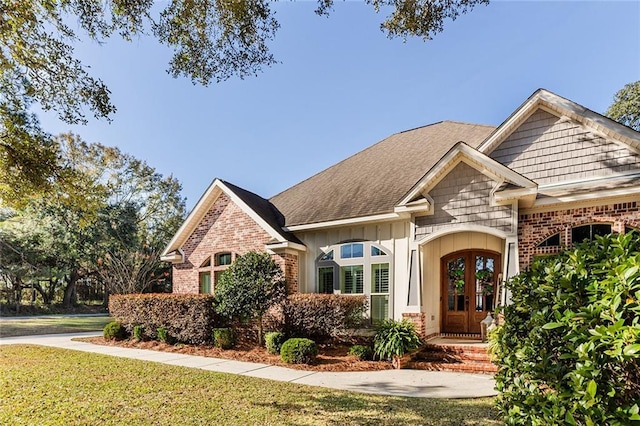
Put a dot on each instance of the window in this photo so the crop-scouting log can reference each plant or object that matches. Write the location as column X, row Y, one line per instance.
column 628, row 229
column 377, row 251
column 325, row 280
column 358, row 268
column 206, row 263
column 589, row 232
column 354, row 250
column 223, row 259
column 352, row 279
column 327, row 256
column 552, row 241
column 380, row 278
column 205, row 282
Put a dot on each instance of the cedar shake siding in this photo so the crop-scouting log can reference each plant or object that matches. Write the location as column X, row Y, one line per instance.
column 224, row 228
column 462, row 197
column 549, row 149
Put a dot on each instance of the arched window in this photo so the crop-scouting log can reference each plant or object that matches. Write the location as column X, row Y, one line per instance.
column 589, row 232
column 552, row 241
column 224, row 259
column 358, row 268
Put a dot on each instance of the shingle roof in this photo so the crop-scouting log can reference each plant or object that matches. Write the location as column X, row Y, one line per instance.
column 375, row 179
column 264, row 209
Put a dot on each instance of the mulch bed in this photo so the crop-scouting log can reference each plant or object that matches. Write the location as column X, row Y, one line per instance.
column 332, row 357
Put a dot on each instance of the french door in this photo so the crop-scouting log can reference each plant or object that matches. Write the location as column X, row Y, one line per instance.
column 469, row 280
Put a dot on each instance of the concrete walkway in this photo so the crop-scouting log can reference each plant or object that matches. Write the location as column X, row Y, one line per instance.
column 413, row 383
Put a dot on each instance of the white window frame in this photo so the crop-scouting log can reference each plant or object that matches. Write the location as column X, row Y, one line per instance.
column 366, row 261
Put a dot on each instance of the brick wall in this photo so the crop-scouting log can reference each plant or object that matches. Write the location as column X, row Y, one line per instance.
column 225, row 228
column 418, row 320
column 534, row 228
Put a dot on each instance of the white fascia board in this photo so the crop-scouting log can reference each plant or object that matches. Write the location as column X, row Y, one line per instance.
column 586, row 182
column 479, row 161
column 251, row 213
column 173, row 257
column 423, row 205
column 610, row 193
column 506, row 196
column 193, row 219
column 286, row 245
column 564, row 108
column 346, row 222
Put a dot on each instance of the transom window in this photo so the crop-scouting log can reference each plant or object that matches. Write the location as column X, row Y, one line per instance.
column 362, row 268
column 348, row 251
column 552, row 241
column 589, row 232
column 223, row 259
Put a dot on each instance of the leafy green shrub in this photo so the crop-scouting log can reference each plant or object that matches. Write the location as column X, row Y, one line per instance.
column 363, row 353
column 395, row 338
column 274, row 341
column 114, row 331
column 187, row 318
column 299, row 351
column 138, row 332
column 163, row 336
column 223, row 338
column 249, row 287
column 569, row 349
column 320, row 316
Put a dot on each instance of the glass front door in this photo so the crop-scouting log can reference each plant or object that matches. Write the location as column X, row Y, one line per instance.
column 469, row 279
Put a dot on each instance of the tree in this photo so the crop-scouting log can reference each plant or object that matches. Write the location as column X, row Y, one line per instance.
column 212, row 40
column 625, row 108
column 108, row 219
column 249, row 287
column 569, row 349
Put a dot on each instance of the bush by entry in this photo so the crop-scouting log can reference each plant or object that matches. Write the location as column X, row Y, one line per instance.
column 569, row 349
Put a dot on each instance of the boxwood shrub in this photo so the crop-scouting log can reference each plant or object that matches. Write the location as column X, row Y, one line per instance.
column 363, row 353
column 224, row 338
column 569, row 349
column 299, row 351
column 274, row 341
column 114, row 331
column 186, row 318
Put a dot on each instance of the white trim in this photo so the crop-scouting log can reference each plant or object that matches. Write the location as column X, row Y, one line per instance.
column 176, row 256
column 251, row 213
column 344, row 222
column 462, row 228
column 564, row 109
column 543, row 202
column 201, row 208
column 585, row 182
column 422, row 205
column 461, row 152
column 285, row 245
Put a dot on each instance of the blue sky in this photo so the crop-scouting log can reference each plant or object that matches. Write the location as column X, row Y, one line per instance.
column 342, row 85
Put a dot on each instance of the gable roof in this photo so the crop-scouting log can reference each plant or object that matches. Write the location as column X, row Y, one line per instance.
column 256, row 207
column 372, row 181
column 512, row 181
column 557, row 105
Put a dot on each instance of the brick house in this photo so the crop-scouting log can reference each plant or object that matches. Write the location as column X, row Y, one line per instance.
column 429, row 222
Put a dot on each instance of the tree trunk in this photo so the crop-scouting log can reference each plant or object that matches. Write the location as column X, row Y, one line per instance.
column 260, row 330
column 70, row 297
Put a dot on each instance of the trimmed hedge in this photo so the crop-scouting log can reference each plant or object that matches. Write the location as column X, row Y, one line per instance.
column 299, row 351
column 186, row 318
column 321, row 316
column 363, row 353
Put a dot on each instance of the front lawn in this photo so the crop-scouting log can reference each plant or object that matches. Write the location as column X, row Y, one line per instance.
column 41, row 385
column 39, row 325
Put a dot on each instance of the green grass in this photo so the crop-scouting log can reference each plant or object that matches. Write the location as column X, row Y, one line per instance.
column 35, row 325
column 43, row 386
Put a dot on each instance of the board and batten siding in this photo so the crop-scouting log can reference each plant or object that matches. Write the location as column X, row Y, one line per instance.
column 548, row 149
column 394, row 236
column 432, row 252
column 463, row 197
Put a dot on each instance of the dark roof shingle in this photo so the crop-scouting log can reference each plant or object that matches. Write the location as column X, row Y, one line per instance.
column 375, row 179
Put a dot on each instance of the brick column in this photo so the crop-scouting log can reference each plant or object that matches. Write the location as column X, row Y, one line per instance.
column 418, row 319
column 289, row 264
